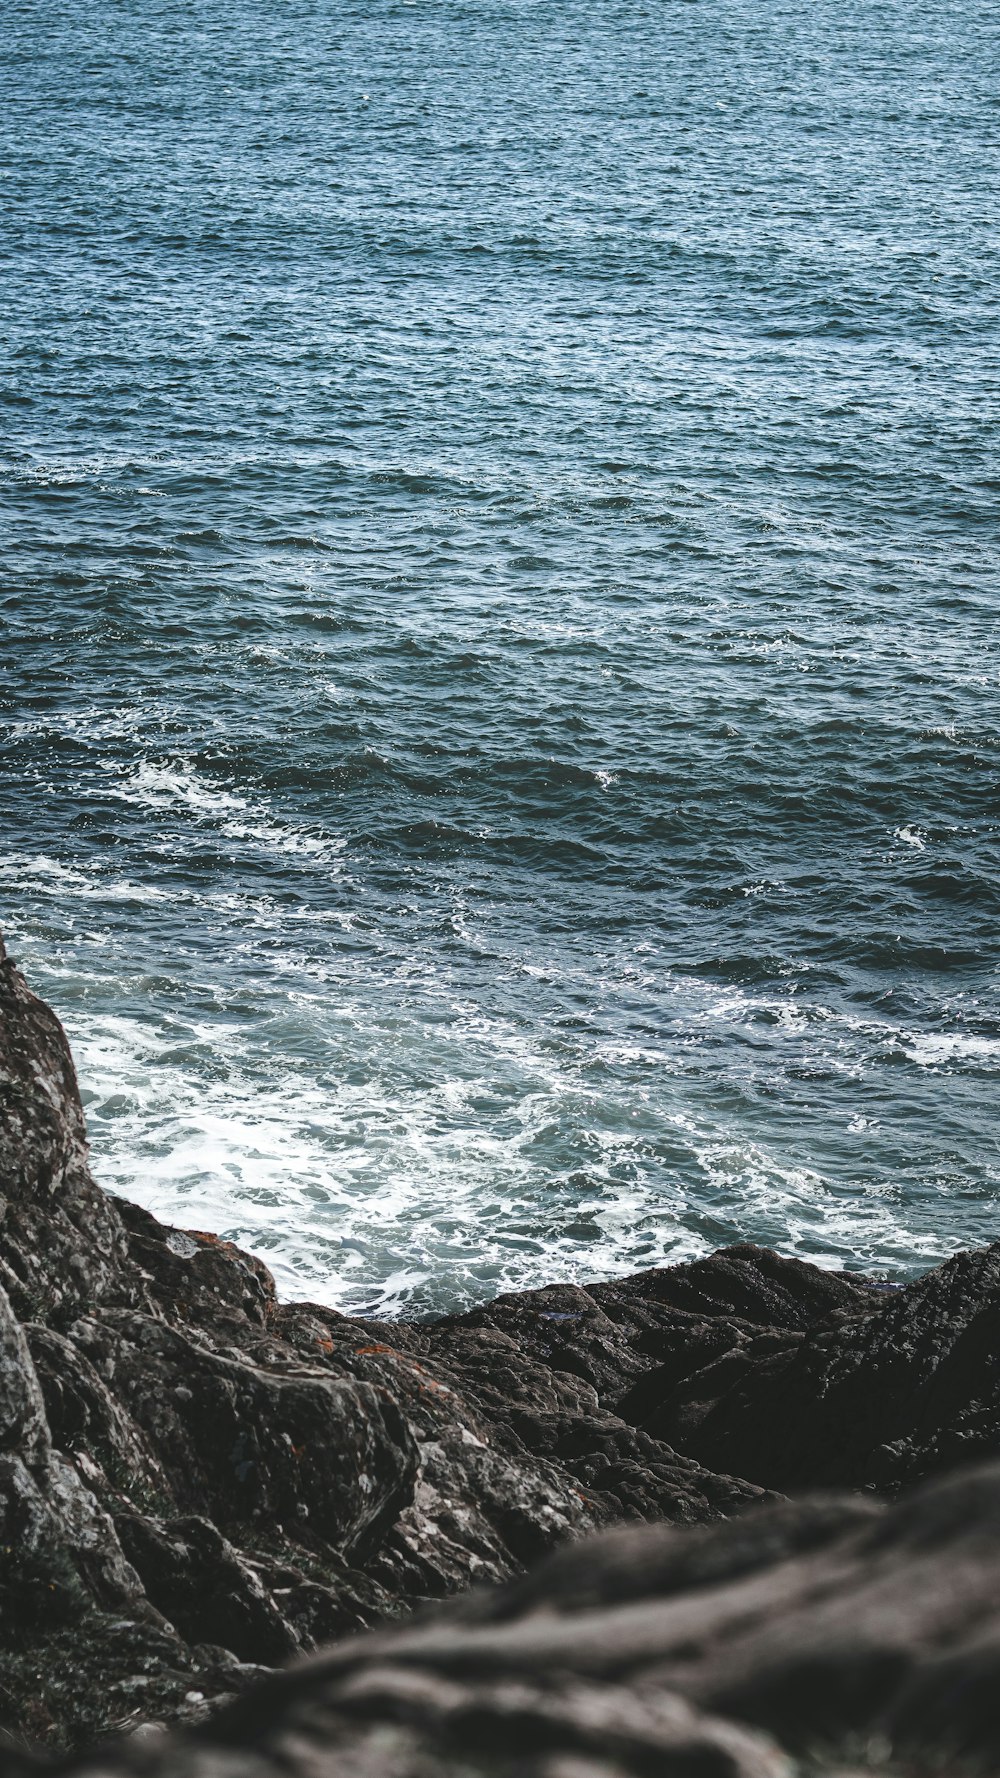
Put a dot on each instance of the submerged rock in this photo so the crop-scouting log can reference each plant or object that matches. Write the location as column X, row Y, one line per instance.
column 198, row 1483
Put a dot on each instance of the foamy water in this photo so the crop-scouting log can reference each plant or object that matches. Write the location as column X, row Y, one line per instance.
column 500, row 669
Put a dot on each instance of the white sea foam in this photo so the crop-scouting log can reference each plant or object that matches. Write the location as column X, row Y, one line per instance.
column 179, row 786
column 387, row 1138
column 54, row 878
column 381, row 1193
column 933, row 1049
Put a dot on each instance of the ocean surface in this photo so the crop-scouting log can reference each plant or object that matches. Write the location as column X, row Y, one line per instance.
column 500, row 668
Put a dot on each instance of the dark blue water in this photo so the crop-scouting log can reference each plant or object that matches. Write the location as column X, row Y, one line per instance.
column 501, row 752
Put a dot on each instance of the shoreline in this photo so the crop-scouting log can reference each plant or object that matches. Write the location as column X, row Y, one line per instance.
column 201, row 1483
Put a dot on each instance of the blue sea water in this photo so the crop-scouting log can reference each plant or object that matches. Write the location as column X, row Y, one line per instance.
column 500, row 736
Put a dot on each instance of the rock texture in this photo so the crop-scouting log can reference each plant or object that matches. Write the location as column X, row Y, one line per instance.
column 198, row 1483
column 832, row 1635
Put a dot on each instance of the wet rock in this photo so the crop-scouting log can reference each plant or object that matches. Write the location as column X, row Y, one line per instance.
column 549, row 1367
column 746, row 1284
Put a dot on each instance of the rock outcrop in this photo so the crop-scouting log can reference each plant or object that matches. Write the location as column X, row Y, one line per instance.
column 878, row 1393
column 199, row 1483
column 825, row 1636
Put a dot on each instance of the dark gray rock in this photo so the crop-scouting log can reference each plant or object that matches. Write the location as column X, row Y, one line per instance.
column 888, row 1388
column 184, row 1456
column 810, row 1636
column 62, row 1243
column 198, row 1483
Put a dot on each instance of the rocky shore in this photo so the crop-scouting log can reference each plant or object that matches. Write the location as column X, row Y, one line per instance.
column 199, row 1484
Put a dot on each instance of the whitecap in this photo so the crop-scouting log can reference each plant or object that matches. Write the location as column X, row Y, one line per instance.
column 931, row 1049
column 179, row 786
